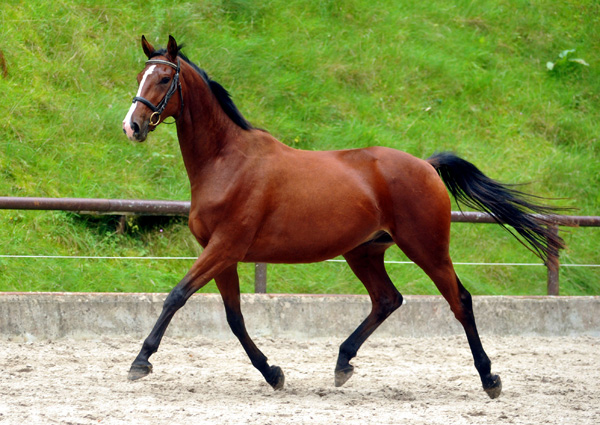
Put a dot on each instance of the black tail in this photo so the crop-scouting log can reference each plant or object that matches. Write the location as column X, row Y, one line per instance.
column 509, row 207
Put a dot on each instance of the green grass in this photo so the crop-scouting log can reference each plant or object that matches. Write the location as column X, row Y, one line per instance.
column 418, row 76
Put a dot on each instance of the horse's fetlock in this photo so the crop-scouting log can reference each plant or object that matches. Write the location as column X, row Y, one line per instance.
column 347, row 352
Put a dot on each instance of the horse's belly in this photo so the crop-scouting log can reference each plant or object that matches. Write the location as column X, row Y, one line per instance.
column 305, row 238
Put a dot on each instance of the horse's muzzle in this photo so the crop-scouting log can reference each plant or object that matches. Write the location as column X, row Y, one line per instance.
column 135, row 132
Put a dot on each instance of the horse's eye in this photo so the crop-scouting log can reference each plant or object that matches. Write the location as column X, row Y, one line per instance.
column 165, row 80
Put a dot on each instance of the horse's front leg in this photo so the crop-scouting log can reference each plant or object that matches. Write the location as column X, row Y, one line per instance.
column 229, row 286
column 204, row 269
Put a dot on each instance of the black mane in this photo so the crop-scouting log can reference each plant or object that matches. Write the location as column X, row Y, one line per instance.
column 218, row 90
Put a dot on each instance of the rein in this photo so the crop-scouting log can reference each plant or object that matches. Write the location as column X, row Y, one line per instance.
column 157, row 110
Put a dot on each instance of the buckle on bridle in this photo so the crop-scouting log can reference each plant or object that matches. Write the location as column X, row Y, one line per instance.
column 152, row 122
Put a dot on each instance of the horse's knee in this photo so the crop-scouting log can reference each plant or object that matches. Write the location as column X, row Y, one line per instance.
column 396, row 301
column 175, row 300
column 387, row 304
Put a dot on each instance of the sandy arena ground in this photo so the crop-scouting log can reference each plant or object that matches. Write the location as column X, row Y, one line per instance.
column 204, row 381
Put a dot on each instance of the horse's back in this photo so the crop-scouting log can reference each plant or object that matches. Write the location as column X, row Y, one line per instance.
column 399, row 179
column 319, row 204
column 389, row 182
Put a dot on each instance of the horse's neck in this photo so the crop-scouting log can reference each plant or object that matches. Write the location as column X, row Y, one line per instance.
column 203, row 129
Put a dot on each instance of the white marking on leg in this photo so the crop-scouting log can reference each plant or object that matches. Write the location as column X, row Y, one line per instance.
column 127, row 120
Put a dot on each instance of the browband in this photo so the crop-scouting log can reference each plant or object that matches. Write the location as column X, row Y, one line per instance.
column 162, row 62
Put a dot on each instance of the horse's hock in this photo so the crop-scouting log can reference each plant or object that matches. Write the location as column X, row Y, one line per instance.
column 31, row 316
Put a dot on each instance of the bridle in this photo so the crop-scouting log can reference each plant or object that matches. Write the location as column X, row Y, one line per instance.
column 175, row 85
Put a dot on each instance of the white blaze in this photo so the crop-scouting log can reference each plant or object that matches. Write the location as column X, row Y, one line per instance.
column 127, row 120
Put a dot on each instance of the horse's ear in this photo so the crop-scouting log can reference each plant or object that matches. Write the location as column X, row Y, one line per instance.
column 148, row 48
column 172, row 48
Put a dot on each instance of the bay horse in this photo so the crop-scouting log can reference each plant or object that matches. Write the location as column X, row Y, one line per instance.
column 255, row 199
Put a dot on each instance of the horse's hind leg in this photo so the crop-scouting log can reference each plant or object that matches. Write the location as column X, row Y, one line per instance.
column 491, row 383
column 462, row 307
column 434, row 259
column 366, row 261
column 229, row 287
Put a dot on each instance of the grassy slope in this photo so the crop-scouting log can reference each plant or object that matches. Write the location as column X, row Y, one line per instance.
column 418, row 76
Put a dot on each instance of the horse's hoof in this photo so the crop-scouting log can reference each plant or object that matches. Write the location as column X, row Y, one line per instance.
column 138, row 371
column 276, row 378
column 495, row 388
column 342, row 375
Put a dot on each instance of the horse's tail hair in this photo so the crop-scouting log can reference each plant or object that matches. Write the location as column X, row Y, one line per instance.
column 511, row 208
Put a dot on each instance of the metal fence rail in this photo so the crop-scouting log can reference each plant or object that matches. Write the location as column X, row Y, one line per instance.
column 181, row 208
column 98, row 206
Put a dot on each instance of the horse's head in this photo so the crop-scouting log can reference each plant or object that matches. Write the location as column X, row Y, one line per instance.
column 154, row 101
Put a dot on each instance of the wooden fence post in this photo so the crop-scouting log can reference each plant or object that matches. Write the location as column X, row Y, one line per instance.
column 260, row 278
column 553, row 265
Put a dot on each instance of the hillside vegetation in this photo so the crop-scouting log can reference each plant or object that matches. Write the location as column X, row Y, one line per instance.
column 465, row 76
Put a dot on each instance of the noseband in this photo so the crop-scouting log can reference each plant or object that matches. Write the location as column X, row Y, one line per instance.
column 175, row 85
